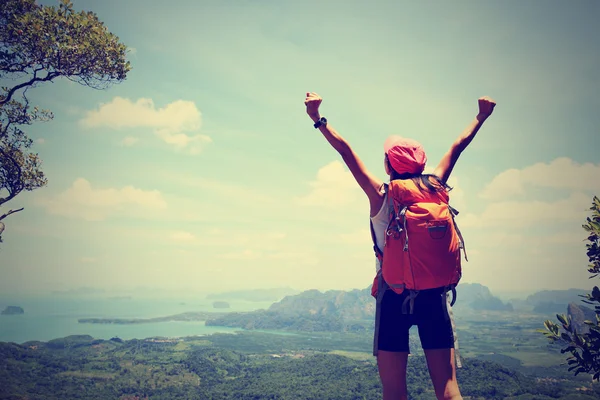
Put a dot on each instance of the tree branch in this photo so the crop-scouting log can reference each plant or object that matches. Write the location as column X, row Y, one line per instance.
column 30, row 82
column 11, row 195
column 11, row 212
column 13, row 191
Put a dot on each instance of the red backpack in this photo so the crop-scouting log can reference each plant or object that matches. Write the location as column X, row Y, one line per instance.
column 422, row 241
column 421, row 250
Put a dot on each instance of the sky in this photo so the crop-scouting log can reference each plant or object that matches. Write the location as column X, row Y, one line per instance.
column 201, row 172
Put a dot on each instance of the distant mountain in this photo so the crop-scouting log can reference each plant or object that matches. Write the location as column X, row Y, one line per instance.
column 549, row 307
column 479, row 297
column 274, row 294
column 353, row 304
column 579, row 314
column 519, row 304
column 12, row 310
column 359, row 304
column 338, row 310
column 220, row 304
column 554, row 301
column 311, row 311
column 79, row 291
column 556, row 296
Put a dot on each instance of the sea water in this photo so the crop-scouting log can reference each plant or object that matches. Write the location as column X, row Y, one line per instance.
column 50, row 317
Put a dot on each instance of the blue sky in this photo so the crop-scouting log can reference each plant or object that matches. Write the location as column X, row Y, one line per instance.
column 201, row 172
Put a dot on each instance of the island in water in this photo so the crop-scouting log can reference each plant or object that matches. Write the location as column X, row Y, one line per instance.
column 220, row 304
column 12, row 310
column 187, row 316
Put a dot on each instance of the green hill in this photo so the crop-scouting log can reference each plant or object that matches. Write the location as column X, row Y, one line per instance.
column 80, row 367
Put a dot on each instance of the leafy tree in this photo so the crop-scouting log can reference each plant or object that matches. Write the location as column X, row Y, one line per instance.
column 584, row 347
column 40, row 44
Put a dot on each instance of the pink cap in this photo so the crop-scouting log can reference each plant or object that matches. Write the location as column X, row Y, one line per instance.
column 405, row 155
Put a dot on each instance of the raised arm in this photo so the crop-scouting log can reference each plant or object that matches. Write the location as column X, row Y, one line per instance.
column 368, row 183
column 446, row 165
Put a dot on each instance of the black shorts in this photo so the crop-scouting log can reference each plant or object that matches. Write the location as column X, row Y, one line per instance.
column 430, row 315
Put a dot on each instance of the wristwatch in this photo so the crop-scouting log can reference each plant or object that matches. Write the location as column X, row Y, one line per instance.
column 322, row 121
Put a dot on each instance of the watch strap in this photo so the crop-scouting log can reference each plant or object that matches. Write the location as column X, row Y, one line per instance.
column 321, row 121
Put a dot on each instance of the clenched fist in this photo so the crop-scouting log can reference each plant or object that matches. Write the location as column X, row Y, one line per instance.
column 312, row 103
column 486, row 106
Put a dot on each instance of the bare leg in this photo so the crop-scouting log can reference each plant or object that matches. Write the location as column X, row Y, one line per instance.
column 443, row 373
column 392, row 372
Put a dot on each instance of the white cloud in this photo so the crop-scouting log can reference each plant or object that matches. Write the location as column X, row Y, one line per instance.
column 534, row 263
column 515, row 200
column 194, row 144
column 171, row 123
column 295, row 257
column 182, row 236
column 520, row 240
column 129, row 141
column 122, row 113
column 248, row 238
column 276, row 236
column 562, row 173
column 284, row 257
column 227, row 190
column 334, row 187
column 507, row 184
column 530, row 227
column 243, row 255
column 521, row 214
column 81, row 200
column 259, row 241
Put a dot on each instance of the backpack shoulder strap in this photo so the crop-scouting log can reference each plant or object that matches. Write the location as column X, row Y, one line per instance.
column 376, row 248
column 454, row 213
column 378, row 251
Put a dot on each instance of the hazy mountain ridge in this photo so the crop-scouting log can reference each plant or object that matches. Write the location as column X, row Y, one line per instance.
column 274, row 294
column 339, row 310
column 309, row 311
column 359, row 304
column 554, row 301
column 479, row 297
column 353, row 304
column 12, row 310
column 557, row 296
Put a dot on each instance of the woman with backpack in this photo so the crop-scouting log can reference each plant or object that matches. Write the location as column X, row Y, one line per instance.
column 404, row 162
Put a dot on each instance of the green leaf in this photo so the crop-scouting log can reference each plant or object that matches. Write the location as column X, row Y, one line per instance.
column 565, row 337
column 562, row 318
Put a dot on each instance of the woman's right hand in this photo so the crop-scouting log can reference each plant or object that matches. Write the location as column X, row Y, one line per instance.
column 312, row 102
